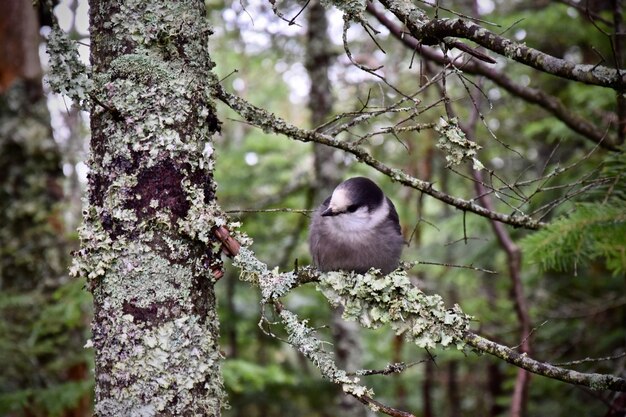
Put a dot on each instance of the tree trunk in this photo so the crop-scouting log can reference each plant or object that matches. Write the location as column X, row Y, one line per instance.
column 147, row 247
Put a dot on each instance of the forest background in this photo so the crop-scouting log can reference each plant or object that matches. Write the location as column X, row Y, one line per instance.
column 548, row 281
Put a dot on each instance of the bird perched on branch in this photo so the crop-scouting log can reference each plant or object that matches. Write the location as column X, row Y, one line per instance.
column 356, row 229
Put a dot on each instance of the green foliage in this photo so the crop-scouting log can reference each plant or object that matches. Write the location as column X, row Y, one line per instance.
column 241, row 375
column 592, row 231
column 53, row 401
column 595, row 230
column 41, row 350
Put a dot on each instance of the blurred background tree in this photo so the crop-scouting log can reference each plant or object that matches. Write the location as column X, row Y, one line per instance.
column 539, row 134
column 45, row 315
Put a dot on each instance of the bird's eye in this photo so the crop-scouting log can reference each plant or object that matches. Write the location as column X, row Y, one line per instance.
column 352, row 208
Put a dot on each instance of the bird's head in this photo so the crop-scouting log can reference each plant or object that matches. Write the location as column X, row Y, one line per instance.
column 356, row 204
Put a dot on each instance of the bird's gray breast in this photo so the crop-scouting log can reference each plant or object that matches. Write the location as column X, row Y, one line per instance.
column 334, row 247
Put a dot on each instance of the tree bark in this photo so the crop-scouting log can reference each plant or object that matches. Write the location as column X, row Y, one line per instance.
column 147, row 248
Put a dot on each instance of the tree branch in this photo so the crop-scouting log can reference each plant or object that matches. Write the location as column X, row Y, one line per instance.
column 532, row 95
column 591, row 380
column 431, row 31
column 390, row 411
column 270, row 122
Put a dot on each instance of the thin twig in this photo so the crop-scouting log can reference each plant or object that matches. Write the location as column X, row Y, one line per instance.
column 587, row 360
column 390, row 411
column 447, row 265
column 392, row 368
column 275, row 210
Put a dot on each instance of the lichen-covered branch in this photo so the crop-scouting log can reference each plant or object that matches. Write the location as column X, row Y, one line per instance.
column 591, row 380
column 377, row 300
column 371, row 299
column 68, row 75
column 374, row 301
column 270, row 122
column 430, row 31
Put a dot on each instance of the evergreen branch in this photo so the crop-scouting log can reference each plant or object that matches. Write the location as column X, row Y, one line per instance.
column 270, row 122
column 594, row 230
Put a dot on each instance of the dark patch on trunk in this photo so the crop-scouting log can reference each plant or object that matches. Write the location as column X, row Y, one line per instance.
column 202, row 297
column 153, row 315
column 213, row 122
column 125, row 164
column 98, row 185
column 98, row 141
column 161, row 183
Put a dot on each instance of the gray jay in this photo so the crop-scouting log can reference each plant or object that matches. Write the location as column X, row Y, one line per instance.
column 356, row 229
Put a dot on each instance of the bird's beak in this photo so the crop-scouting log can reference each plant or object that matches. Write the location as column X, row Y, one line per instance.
column 328, row 212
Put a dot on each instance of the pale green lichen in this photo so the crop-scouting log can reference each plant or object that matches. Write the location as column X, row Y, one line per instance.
column 453, row 142
column 68, row 75
column 151, row 279
column 96, row 255
column 303, row 338
column 376, row 300
column 272, row 283
column 201, row 218
column 513, row 50
column 371, row 299
column 155, row 326
column 351, row 8
column 154, row 365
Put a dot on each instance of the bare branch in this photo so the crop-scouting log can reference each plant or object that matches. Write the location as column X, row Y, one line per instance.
column 587, row 359
column 448, row 265
column 268, row 121
column 276, row 210
column 592, row 380
column 392, row 368
column 585, row 10
column 390, row 411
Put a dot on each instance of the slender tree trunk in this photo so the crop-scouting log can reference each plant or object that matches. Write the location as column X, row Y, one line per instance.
column 33, row 243
column 328, row 175
column 427, row 389
column 453, row 389
column 147, row 247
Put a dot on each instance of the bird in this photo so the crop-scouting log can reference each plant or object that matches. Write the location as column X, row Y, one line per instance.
column 355, row 229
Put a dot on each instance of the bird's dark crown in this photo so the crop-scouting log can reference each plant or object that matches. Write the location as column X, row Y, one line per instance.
column 363, row 192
